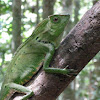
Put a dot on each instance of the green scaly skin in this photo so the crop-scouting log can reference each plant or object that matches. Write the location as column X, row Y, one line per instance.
column 38, row 48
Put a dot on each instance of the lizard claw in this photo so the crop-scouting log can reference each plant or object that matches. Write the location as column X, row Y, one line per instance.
column 71, row 72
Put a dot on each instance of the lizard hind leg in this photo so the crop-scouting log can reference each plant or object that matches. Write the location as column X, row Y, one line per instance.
column 21, row 89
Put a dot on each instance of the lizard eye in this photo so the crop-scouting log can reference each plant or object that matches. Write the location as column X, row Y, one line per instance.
column 55, row 19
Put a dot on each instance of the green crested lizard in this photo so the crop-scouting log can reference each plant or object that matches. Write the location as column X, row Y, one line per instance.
column 36, row 50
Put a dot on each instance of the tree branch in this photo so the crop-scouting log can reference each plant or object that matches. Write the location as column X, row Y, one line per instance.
column 78, row 48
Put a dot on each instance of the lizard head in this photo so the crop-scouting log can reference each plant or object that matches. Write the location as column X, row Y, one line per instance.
column 53, row 29
column 57, row 23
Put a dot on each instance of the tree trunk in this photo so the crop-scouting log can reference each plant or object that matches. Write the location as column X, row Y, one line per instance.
column 48, row 8
column 67, row 8
column 76, row 11
column 94, row 1
column 16, row 33
column 79, row 47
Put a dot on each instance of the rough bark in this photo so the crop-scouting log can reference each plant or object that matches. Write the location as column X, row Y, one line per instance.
column 67, row 7
column 78, row 48
column 16, row 33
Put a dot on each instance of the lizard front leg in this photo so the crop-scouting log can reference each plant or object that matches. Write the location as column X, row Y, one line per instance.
column 48, row 58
